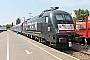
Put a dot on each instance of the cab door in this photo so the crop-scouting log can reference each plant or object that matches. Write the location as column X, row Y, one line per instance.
column 45, row 26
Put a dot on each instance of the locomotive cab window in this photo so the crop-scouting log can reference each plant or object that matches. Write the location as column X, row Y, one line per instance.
column 64, row 18
column 46, row 19
column 68, row 17
column 59, row 17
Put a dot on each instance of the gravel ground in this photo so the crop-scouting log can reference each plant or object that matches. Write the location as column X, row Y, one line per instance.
column 78, row 55
column 81, row 56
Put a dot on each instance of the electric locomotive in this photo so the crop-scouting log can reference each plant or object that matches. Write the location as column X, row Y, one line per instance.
column 53, row 27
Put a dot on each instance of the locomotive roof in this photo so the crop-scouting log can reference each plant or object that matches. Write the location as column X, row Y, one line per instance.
column 59, row 11
column 49, row 11
column 53, row 11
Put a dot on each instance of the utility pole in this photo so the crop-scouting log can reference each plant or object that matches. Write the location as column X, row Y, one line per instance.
column 24, row 18
column 30, row 15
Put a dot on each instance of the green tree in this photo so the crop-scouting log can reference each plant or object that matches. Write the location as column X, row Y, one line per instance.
column 8, row 26
column 87, row 12
column 81, row 14
column 4, row 25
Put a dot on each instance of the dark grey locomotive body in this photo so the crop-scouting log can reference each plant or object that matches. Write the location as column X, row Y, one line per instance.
column 54, row 27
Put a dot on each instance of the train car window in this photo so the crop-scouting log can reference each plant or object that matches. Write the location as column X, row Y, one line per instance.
column 46, row 19
column 59, row 17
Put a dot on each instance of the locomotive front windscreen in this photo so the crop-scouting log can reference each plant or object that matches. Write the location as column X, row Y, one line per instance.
column 64, row 18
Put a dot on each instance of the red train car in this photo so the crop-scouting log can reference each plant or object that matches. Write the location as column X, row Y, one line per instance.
column 83, row 28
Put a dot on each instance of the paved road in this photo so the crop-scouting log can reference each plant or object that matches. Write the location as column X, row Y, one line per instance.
column 3, row 45
column 17, row 47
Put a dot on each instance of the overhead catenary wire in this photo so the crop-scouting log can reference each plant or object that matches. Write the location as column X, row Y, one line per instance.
column 39, row 6
column 34, row 4
column 42, row 5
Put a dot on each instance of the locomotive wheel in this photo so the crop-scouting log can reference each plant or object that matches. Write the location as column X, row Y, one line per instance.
column 47, row 43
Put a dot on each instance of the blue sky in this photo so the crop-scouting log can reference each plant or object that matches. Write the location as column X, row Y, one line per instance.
column 10, row 10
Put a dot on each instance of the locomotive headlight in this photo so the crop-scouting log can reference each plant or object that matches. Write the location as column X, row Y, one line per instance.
column 70, row 25
column 60, row 26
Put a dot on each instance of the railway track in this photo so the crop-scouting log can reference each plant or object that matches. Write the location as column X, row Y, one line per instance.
column 79, row 51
